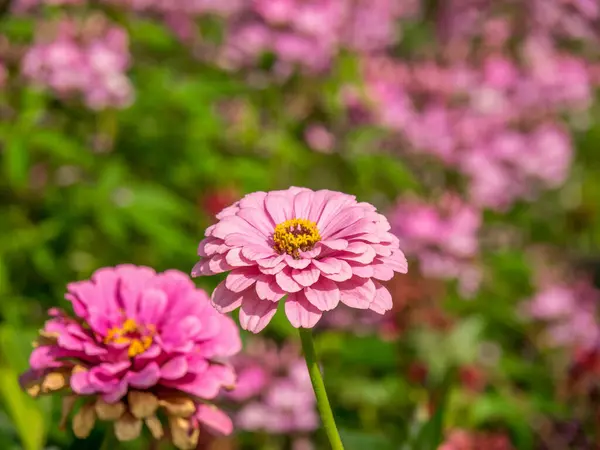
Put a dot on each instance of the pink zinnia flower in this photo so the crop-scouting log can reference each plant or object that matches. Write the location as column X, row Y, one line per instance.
column 318, row 248
column 139, row 341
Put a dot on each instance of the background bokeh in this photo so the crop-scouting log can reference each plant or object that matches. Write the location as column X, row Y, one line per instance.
column 474, row 125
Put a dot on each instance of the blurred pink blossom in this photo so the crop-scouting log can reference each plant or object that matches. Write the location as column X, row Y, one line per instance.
column 274, row 390
column 443, row 237
column 93, row 67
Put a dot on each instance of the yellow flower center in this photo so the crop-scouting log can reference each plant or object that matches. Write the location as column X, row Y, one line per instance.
column 138, row 337
column 294, row 235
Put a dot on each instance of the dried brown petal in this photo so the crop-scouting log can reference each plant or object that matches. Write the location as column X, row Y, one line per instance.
column 142, row 404
column 68, row 402
column 178, row 405
column 109, row 411
column 53, row 381
column 84, row 421
column 34, row 389
column 182, row 435
column 127, row 428
column 155, row 427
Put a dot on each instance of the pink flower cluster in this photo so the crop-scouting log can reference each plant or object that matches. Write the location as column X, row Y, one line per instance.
column 444, row 237
column 570, row 309
column 274, row 389
column 139, row 335
column 309, row 34
column 88, row 60
column 491, row 118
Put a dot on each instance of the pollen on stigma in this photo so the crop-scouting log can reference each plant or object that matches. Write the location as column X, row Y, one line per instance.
column 138, row 337
column 295, row 235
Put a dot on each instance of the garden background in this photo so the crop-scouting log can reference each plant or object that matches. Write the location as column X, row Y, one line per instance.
column 474, row 125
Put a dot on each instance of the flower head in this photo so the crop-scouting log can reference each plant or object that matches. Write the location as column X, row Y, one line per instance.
column 139, row 341
column 318, row 248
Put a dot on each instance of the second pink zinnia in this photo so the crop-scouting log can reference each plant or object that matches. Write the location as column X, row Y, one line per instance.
column 318, row 248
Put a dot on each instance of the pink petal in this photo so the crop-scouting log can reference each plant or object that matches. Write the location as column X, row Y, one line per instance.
column 239, row 280
column 286, row 282
column 258, row 219
column 359, row 228
column 319, row 200
column 215, row 419
column 257, row 252
column 335, row 203
column 235, row 225
column 306, row 277
column 235, row 258
column 218, row 264
column 268, row 289
column 255, row 314
column 245, row 240
column 344, row 274
column 382, row 301
column 297, row 263
column 357, row 292
column 302, row 203
column 335, row 244
column 152, row 306
column 341, row 220
column 397, row 262
column 175, row 368
column 271, row 261
column 145, row 378
column 279, row 206
column 300, row 312
column 80, row 383
column 364, row 258
column 254, row 200
column 324, row 294
column 362, row 271
column 225, row 300
column 381, row 271
column 209, row 247
column 273, row 270
column 328, row 265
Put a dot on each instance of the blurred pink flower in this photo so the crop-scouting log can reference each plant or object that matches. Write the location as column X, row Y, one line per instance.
column 93, row 67
column 570, row 310
column 319, row 138
column 135, row 334
column 318, row 248
column 443, row 237
column 276, row 394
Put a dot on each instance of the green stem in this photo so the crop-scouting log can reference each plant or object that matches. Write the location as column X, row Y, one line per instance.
column 109, row 442
column 319, row 388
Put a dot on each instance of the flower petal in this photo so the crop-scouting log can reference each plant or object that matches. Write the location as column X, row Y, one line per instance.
column 324, row 294
column 152, row 306
column 225, row 300
column 382, row 301
column 300, row 312
column 286, row 282
column 357, row 292
column 255, row 314
column 241, row 279
column 306, row 277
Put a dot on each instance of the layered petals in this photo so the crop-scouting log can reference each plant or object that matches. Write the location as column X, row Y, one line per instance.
column 313, row 248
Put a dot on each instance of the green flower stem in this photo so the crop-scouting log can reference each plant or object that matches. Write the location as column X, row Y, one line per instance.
column 109, row 442
column 319, row 388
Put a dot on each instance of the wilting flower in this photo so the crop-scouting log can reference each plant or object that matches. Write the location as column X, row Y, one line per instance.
column 319, row 248
column 139, row 342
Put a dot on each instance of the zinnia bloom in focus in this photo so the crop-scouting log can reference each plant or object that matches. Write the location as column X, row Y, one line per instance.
column 139, row 342
column 318, row 248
